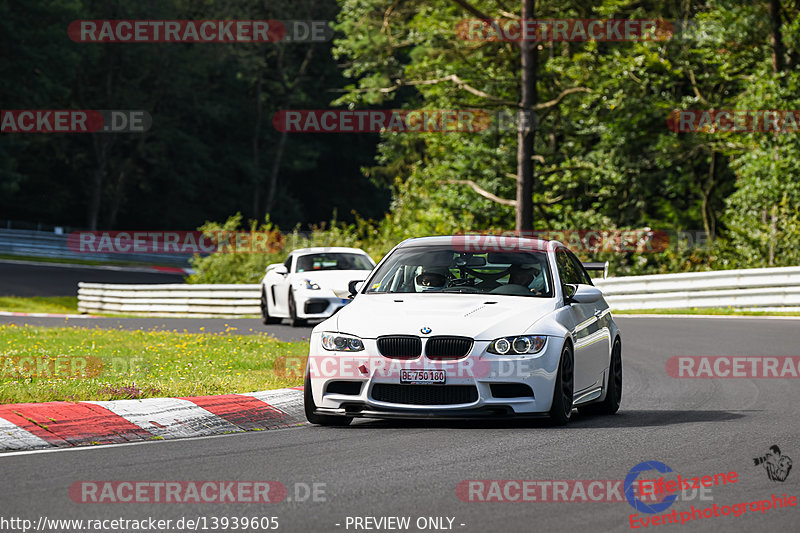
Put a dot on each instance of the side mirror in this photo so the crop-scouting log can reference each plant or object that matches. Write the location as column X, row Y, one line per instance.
column 280, row 269
column 355, row 286
column 581, row 294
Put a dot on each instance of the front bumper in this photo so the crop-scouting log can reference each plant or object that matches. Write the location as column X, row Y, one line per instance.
column 493, row 413
column 490, row 375
column 318, row 304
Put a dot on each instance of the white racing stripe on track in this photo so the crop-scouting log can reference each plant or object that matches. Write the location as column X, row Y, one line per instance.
column 16, row 438
column 290, row 401
column 170, row 418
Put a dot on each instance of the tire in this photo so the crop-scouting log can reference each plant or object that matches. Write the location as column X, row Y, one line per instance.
column 563, row 391
column 610, row 404
column 265, row 318
column 293, row 320
column 320, row 420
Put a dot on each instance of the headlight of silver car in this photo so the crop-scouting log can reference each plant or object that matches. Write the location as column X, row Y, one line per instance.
column 522, row 344
column 337, row 342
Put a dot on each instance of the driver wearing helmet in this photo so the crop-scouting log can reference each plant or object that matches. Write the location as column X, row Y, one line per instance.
column 520, row 276
column 430, row 280
column 520, row 279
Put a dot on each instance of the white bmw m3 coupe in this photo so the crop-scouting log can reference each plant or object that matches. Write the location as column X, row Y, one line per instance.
column 311, row 283
column 460, row 327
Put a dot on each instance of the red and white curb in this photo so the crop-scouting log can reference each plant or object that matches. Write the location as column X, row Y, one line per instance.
column 30, row 426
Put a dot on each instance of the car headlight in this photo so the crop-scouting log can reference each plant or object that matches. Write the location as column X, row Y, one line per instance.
column 337, row 342
column 310, row 285
column 522, row 344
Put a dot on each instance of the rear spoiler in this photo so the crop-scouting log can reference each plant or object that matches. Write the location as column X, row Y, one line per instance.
column 603, row 267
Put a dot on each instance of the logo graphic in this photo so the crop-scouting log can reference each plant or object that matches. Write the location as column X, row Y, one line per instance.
column 425, row 330
column 630, row 483
column 777, row 466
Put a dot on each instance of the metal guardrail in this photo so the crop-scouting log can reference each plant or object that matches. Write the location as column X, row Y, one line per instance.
column 53, row 245
column 170, row 299
column 754, row 288
column 757, row 287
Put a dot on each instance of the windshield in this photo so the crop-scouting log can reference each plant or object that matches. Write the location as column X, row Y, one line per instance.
column 332, row 261
column 443, row 269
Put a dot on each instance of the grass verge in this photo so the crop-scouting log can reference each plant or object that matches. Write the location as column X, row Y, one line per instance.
column 73, row 364
column 39, row 304
column 704, row 311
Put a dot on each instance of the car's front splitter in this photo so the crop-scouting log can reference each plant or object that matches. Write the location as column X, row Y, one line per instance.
column 488, row 412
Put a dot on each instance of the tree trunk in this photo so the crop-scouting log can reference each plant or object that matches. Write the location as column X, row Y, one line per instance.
column 527, row 125
column 257, row 150
column 102, row 145
column 776, row 39
column 778, row 66
column 276, row 166
column 708, row 224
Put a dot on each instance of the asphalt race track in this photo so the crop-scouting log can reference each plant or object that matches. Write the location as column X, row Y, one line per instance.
column 378, row 469
column 26, row 278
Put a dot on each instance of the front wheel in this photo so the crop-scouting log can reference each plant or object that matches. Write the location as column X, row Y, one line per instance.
column 561, row 409
column 265, row 318
column 294, row 321
column 310, row 407
column 610, row 404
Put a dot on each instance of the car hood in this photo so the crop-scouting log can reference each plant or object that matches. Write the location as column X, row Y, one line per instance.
column 480, row 316
column 335, row 280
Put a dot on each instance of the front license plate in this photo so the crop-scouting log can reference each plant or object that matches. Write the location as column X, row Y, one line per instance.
column 422, row 377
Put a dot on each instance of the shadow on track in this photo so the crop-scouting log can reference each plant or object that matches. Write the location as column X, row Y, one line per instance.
column 623, row 419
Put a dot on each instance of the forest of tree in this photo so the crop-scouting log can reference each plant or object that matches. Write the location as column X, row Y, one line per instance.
column 600, row 154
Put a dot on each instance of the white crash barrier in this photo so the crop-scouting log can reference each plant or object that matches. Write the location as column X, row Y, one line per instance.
column 170, row 299
column 750, row 288
column 767, row 288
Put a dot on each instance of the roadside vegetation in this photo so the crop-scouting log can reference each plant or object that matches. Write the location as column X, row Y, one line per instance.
column 605, row 156
column 73, row 364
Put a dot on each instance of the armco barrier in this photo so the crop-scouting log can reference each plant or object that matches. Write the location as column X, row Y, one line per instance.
column 752, row 288
column 757, row 287
column 170, row 299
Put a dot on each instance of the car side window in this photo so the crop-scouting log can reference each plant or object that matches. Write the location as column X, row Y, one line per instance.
column 288, row 264
column 577, row 267
column 566, row 269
